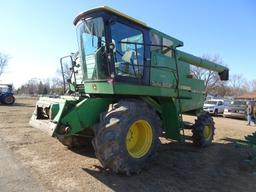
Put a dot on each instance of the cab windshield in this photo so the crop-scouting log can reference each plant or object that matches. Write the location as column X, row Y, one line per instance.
column 91, row 38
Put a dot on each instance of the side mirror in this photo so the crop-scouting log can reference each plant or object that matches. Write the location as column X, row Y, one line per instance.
column 66, row 63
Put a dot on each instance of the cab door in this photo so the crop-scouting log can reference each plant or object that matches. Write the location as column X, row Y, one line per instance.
column 130, row 53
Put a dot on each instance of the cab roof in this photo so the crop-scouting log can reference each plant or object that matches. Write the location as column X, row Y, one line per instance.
column 177, row 43
column 109, row 9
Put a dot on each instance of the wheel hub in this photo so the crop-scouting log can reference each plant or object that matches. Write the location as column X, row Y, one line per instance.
column 207, row 132
column 139, row 138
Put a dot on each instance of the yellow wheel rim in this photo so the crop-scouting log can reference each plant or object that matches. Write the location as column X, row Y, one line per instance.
column 139, row 138
column 207, row 132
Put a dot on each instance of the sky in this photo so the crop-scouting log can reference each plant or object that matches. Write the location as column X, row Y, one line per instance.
column 35, row 34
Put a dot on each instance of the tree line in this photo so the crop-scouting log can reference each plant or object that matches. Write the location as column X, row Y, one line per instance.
column 235, row 86
column 36, row 87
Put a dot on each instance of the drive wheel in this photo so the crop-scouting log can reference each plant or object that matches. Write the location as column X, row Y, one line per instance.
column 9, row 100
column 216, row 112
column 127, row 136
column 203, row 130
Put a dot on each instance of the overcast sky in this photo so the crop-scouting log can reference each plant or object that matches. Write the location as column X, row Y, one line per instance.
column 35, row 34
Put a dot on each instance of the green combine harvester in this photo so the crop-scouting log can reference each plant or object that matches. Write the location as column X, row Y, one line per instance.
column 129, row 85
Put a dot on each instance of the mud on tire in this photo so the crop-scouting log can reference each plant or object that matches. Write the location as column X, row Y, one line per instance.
column 203, row 130
column 111, row 134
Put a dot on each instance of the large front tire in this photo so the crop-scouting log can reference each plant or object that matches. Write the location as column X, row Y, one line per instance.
column 127, row 136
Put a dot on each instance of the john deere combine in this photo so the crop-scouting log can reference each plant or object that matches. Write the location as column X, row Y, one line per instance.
column 131, row 86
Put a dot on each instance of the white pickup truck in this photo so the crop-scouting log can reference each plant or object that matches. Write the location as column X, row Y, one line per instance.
column 214, row 106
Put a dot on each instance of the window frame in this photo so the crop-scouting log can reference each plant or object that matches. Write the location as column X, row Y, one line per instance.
column 144, row 79
column 162, row 44
column 105, row 16
column 139, row 65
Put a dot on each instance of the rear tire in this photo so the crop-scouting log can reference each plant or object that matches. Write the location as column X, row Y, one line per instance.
column 127, row 136
column 9, row 100
column 203, row 130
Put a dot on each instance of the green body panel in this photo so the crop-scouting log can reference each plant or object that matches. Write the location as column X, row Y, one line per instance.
column 197, row 97
column 133, row 90
column 85, row 114
column 55, row 108
column 99, row 88
column 163, row 71
column 168, row 111
column 171, row 123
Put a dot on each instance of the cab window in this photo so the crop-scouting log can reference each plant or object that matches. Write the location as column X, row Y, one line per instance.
column 166, row 51
column 128, row 51
column 156, row 42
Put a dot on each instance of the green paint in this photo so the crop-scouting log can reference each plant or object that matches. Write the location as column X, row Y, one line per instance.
column 99, row 88
column 170, row 119
column 55, row 108
column 163, row 71
column 85, row 114
column 197, row 61
column 116, row 88
column 153, row 104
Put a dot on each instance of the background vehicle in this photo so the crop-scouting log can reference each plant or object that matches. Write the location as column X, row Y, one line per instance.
column 136, row 84
column 237, row 109
column 214, row 106
column 6, row 94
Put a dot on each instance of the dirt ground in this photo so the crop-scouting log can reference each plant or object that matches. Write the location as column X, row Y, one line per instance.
column 178, row 166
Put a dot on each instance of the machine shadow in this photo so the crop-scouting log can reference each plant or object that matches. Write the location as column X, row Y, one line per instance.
column 183, row 167
column 85, row 149
column 19, row 104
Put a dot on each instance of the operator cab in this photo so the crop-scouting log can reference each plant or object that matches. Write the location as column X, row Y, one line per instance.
column 112, row 47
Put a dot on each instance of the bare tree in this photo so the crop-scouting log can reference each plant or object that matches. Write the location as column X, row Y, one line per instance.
column 57, row 86
column 3, row 62
column 35, row 86
column 236, row 81
column 213, row 84
column 253, row 85
column 238, row 85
